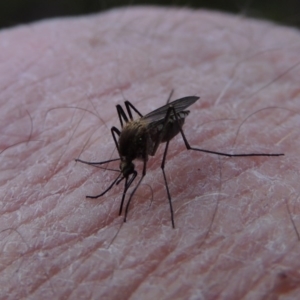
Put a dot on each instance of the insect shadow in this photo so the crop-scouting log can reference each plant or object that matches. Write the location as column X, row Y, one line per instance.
column 140, row 138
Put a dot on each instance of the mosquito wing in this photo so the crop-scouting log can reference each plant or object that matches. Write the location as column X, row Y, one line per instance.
column 160, row 113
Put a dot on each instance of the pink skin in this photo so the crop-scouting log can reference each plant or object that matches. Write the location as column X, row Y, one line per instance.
column 234, row 233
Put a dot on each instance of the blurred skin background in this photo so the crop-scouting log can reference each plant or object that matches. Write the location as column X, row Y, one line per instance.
column 16, row 12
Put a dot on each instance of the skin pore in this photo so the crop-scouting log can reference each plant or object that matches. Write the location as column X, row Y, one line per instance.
column 236, row 218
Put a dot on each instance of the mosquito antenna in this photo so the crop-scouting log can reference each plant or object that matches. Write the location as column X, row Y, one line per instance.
column 122, row 115
column 130, row 106
column 103, row 193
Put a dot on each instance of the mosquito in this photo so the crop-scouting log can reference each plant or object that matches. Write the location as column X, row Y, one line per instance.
column 138, row 139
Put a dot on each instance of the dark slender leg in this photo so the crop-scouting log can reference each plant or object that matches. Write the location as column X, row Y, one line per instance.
column 126, row 187
column 166, row 183
column 123, row 196
column 170, row 96
column 103, row 193
column 172, row 110
column 136, row 187
column 166, row 121
column 95, row 163
column 163, row 131
column 122, row 115
column 115, row 131
column 129, row 106
column 188, row 147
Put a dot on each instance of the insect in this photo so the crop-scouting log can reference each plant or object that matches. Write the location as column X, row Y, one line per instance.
column 140, row 138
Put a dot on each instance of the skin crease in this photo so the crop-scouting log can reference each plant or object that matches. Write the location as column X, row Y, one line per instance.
column 235, row 218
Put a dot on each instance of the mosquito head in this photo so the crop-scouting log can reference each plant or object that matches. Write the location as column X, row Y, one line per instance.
column 126, row 167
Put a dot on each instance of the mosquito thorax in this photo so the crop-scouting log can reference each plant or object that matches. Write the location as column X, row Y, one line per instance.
column 132, row 140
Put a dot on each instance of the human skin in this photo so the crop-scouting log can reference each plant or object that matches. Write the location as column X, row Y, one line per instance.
column 237, row 219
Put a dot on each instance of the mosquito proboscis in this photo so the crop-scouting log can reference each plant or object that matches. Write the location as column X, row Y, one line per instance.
column 140, row 138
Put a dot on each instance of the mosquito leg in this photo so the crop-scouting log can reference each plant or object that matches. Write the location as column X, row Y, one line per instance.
column 122, row 115
column 129, row 106
column 158, row 141
column 103, row 193
column 123, row 196
column 93, row 163
column 136, row 187
column 126, row 187
column 115, row 131
column 166, row 183
column 170, row 96
column 163, row 131
column 188, row 147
